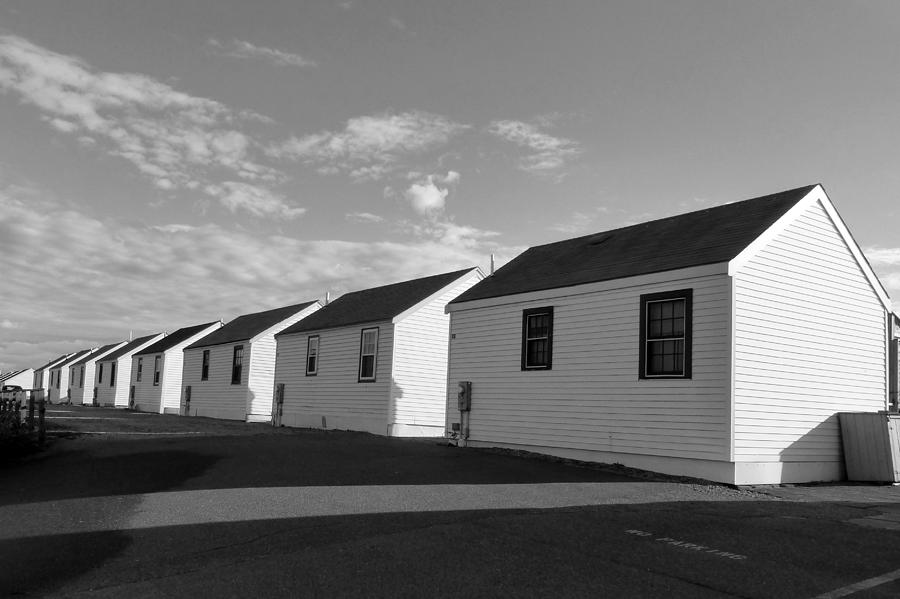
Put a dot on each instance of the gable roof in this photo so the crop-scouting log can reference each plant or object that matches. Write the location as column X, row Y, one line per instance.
column 707, row 236
column 127, row 348
column 248, row 326
column 99, row 352
column 72, row 358
column 378, row 303
column 10, row 374
column 170, row 341
column 53, row 362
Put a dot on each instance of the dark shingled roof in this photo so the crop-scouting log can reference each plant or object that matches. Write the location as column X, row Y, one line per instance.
column 248, row 326
column 52, row 362
column 370, row 305
column 12, row 373
column 72, row 358
column 174, row 339
column 707, row 236
column 127, row 348
column 99, row 352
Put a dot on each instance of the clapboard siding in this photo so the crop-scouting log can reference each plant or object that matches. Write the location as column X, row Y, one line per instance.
column 146, row 394
column 84, row 394
column 170, row 385
column 262, row 378
column 809, row 343
column 216, row 397
column 420, row 361
column 592, row 399
column 335, row 393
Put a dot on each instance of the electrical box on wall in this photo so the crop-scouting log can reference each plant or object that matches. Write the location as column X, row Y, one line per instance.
column 464, row 395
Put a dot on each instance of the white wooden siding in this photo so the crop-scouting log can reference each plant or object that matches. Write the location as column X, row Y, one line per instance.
column 146, row 394
column 420, row 362
column 86, row 393
column 106, row 395
column 810, row 337
column 216, row 397
column 335, row 393
column 261, row 380
column 592, row 399
column 170, row 377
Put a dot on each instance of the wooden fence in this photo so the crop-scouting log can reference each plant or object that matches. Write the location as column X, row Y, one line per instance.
column 12, row 422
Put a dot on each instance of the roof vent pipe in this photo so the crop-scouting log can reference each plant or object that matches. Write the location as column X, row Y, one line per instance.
column 492, row 263
column 327, row 297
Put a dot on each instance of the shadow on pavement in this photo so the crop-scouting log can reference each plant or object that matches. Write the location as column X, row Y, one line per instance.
column 695, row 549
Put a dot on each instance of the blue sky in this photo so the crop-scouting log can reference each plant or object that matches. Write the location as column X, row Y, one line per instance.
column 168, row 163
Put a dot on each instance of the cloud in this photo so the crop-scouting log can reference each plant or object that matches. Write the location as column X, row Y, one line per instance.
column 547, row 154
column 426, row 197
column 397, row 23
column 176, row 140
column 8, row 324
column 886, row 264
column 115, row 276
column 242, row 49
column 581, row 222
column 255, row 200
column 364, row 217
column 370, row 147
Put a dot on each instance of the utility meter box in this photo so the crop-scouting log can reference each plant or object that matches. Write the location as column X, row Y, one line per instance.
column 464, row 395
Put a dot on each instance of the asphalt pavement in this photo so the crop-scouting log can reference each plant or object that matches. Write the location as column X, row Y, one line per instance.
column 124, row 504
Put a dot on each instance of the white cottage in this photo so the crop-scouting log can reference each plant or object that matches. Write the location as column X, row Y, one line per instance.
column 60, row 390
column 81, row 375
column 20, row 378
column 720, row 344
column 373, row 360
column 230, row 372
column 42, row 374
column 111, row 383
column 156, row 370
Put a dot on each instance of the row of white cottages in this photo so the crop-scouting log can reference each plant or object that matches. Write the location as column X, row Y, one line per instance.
column 720, row 343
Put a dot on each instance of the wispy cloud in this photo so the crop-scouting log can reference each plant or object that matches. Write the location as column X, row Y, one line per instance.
column 547, row 154
column 178, row 141
column 370, row 147
column 364, row 217
column 886, row 264
column 115, row 276
column 243, row 49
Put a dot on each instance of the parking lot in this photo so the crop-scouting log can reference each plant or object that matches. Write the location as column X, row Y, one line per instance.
column 142, row 505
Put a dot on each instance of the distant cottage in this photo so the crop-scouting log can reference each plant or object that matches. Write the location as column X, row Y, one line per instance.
column 60, row 389
column 81, row 379
column 373, row 360
column 230, row 372
column 156, row 370
column 720, row 344
column 111, row 386
column 42, row 374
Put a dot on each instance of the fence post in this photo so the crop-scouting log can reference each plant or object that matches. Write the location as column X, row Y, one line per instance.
column 41, row 429
column 31, row 413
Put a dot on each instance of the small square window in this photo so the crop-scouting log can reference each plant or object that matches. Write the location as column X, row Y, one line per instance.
column 537, row 338
column 665, row 335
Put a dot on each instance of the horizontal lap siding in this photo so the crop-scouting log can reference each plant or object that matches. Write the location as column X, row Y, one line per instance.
column 335, row 391
column 86, row 393
column 146, row 394
column 592, row 398
column 262, row 376
column 106, row 395
column 420, row 361
column 216, row 397
column 809, row 343
column 170, row 385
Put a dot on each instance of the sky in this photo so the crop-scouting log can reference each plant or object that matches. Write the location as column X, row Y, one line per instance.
column 174, row 162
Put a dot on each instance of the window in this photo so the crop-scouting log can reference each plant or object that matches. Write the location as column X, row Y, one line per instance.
column 156, row 370
column 666, row 335
column 312, row 355
column 368, row 347
column 81, row 378
column 237, row 364
column 204, row 369
column 58, row 372
column 537, row 338
column 100, row 373
column 139, row 369
column 112, row 374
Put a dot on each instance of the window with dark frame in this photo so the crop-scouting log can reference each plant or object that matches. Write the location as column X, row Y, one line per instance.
column 237, row 364
column 140, row 367
column 156, row 370
column 81, row 378
column 368, row 349
column 312, row 355
column 100, row 373
column 665, row 337
column 112, row 374
column 537, row 338
column 204, row 369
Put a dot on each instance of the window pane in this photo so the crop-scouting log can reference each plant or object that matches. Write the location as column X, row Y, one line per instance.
column 537, row 352
column 367, row 370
